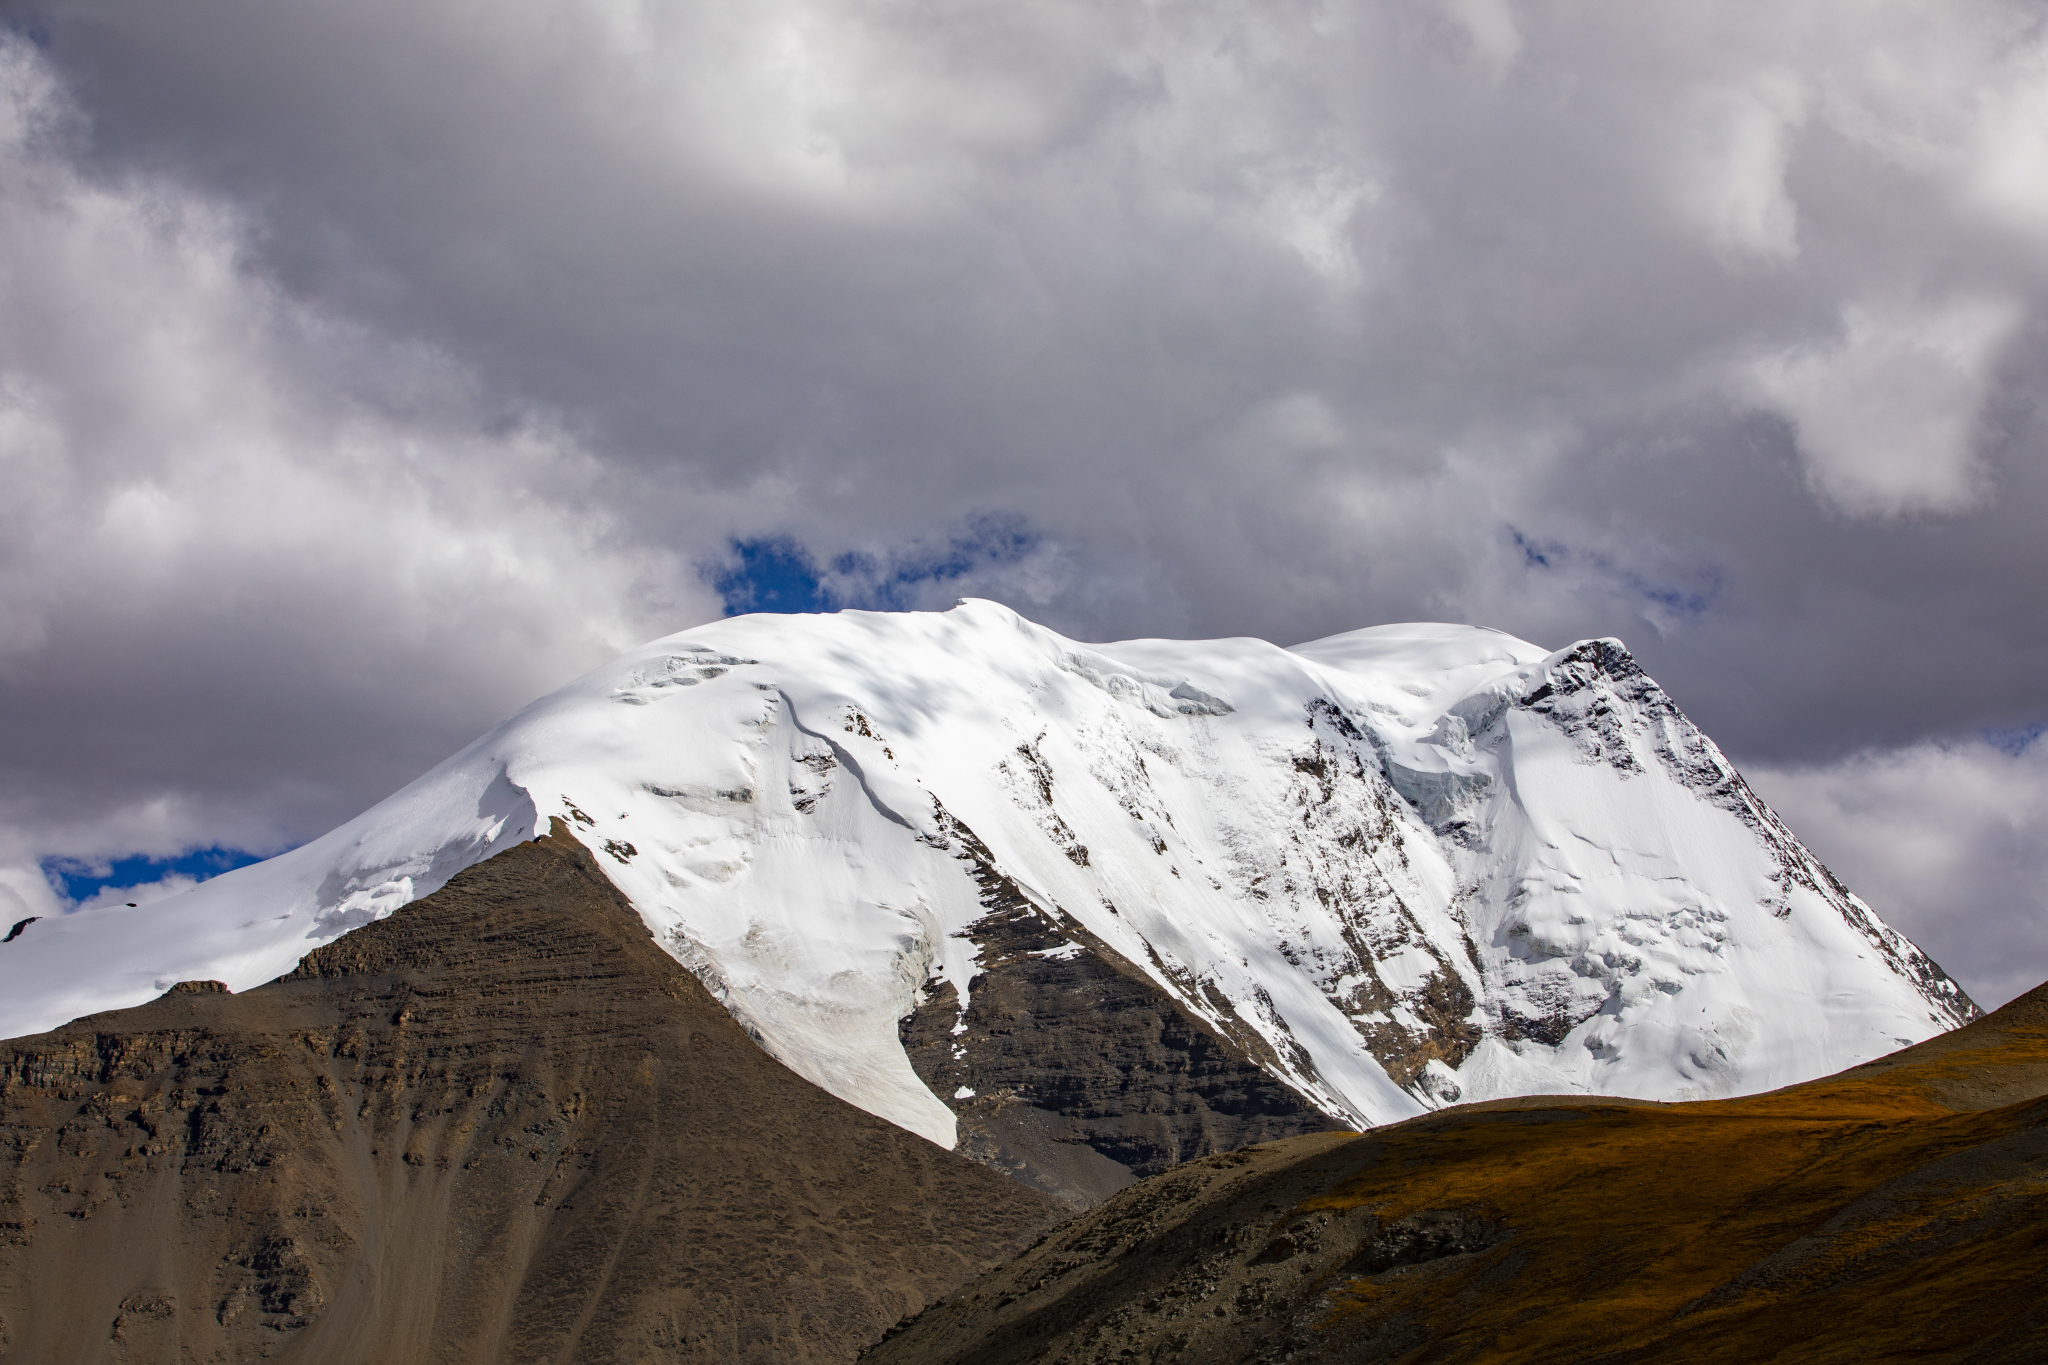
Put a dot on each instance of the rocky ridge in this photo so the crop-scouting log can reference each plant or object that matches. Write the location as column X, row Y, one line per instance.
column 501, row 1126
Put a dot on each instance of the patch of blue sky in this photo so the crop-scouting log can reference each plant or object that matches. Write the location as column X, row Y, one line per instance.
column 2014, row 740
column 79, row 880
column 771, row 575
column 1535, row 554
column 1680, row 600
column 783, row 575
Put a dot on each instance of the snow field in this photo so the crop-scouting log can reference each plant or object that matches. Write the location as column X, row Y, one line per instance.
column 1420, row 863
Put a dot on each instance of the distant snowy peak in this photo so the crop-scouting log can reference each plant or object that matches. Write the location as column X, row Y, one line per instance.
column 1376, row 873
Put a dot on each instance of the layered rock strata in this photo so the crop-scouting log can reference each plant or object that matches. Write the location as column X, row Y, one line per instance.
column 502, row 1125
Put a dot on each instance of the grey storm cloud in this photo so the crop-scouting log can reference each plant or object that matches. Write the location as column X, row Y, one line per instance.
column 367, row 369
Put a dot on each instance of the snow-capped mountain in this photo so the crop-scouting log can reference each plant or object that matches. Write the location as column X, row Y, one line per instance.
column 1396, row 868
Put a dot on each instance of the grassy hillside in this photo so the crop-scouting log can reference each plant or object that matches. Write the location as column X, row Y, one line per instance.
column 1897, row 1211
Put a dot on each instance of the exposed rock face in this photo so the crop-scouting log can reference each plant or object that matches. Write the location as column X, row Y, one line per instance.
column 1072, row 1070
column 500, row 1126
column 1897, row 1209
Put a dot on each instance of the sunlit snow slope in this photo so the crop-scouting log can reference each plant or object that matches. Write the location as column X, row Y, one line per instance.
column 1423, row 862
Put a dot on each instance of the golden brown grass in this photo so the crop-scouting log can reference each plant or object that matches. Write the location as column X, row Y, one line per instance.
column 1897, row 1211
column 1746, row 1229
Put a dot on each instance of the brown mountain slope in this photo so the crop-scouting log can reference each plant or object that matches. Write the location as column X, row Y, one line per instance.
column 499, row 1126
column 1896, row 1211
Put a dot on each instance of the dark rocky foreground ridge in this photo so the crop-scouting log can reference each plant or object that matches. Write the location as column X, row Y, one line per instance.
column 1895, row 1211
column 500, row 1126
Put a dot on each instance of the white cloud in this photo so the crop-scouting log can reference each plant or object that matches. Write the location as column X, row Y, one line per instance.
column 365, row 370
column 1949, row 842
column 1731, row 180
column 2009, row 155
column 1890, row 415
column 1490, row 25
column 194, row 461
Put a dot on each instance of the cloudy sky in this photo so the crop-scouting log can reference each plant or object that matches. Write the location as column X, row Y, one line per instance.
column 370, row 368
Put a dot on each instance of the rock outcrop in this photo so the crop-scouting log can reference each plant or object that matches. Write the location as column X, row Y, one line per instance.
column 1074, row 1072
column 501, row 1125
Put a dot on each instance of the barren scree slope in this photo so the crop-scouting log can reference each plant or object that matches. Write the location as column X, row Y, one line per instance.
column 1377, row 873
column 501, row 1127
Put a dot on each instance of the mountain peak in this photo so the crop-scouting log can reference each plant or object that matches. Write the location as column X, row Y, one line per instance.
column 1386, row 870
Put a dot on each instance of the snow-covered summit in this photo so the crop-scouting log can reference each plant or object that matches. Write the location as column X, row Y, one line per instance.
column 1414, row 864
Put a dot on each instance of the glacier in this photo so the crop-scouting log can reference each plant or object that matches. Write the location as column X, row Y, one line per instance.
column 1409, row 866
